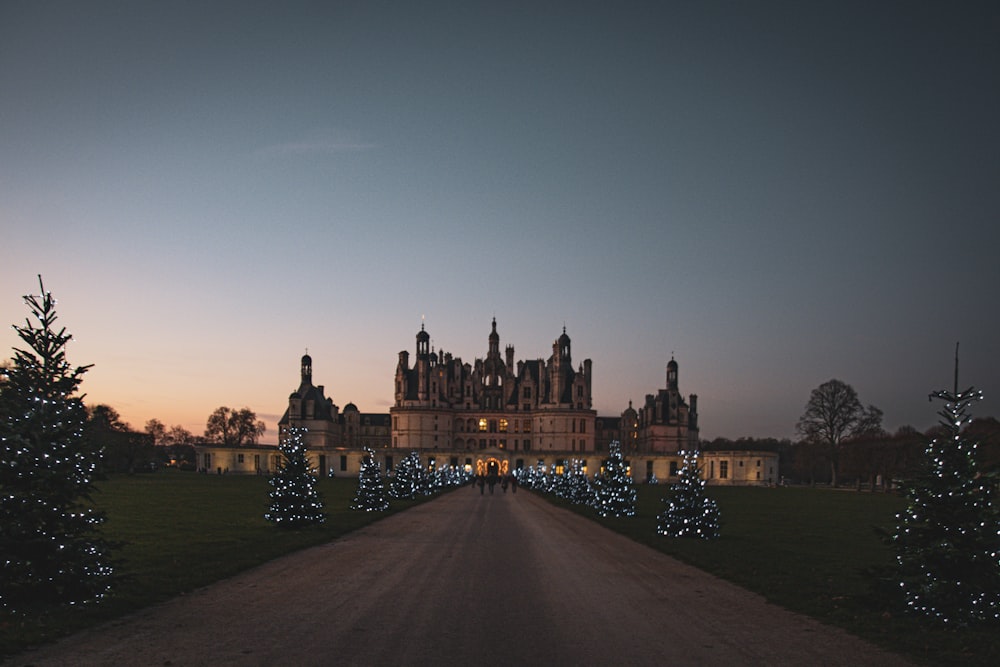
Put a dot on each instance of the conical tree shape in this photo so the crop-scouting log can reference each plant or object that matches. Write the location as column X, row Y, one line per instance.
column 406, row 479
column 615, row 493
column 689, row 512
column 294, row 499
column 371, row 496
column 49, row 544
column 948, row 539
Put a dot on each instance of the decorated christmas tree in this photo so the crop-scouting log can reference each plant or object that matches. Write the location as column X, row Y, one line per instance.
column 371, row 496
column 294, row 499
column 689, row 512
column 406, row 479
column 615, row 493
column 947, row 540
column 51, row 549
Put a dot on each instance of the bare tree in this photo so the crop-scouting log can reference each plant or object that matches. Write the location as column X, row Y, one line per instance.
column 157, row 431
column 834, row 415
column 178, row 435
column 234, row 428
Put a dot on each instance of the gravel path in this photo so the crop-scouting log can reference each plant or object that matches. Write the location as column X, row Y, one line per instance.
column 474, row 579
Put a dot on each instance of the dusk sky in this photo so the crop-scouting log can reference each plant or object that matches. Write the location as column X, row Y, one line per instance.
column 775, row 193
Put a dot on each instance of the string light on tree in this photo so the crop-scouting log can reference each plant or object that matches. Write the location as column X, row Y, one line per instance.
column 689, row 511
column 294, row 499
column 371, row 496
column 614, row 493
column 406, row 479
column 51, row 549
column 947, row 541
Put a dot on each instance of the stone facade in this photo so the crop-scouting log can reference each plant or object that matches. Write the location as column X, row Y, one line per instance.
column 493, row 404
column 496, row 413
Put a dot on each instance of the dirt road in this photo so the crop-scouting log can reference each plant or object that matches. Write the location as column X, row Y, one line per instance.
column 468, row 579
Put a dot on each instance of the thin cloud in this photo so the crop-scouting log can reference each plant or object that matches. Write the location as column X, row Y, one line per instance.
column 325, row 143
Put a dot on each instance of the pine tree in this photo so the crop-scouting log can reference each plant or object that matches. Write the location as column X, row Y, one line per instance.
column 580, row 490
column 947, row 541
column 615, row 493
column 406, row 478
column 49, row 539
column 689, row 512
column 294, row 499
column 371, row 496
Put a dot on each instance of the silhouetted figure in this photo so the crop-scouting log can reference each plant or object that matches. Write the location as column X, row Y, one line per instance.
column 482, row 484
column 492, row 479
column 503, row 484
column 513, row 483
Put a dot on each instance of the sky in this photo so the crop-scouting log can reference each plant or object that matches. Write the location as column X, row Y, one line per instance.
column 775, row 194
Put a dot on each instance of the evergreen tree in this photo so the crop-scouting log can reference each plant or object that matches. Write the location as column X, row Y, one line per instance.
column 371, row 496
column 49, row 539
column 689, row 512
column 615, row 493
column 947, row 540
column 406, row 478
column 580, row 490
column 294, row 499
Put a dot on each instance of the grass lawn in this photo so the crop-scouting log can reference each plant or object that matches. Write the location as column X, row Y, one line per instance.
column 809, row 550
column 183, row 530
column 815, row 551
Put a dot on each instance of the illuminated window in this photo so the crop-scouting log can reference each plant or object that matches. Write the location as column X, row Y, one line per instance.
column 483, row 425
column 503, row 425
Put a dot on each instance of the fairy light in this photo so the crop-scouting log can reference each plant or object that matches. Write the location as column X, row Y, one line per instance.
column 614, row 492
column 408, row 478
column 53, row 553
column 947, row 541
column 689, row 511
column 294, row 499
column 371, row 495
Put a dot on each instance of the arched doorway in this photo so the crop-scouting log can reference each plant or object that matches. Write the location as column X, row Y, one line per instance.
column 491, row 465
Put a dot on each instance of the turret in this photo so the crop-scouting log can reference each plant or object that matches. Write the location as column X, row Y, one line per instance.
column 307, row 370
column 672, row 375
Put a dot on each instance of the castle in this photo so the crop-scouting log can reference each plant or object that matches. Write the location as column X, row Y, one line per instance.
column 499, row 414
